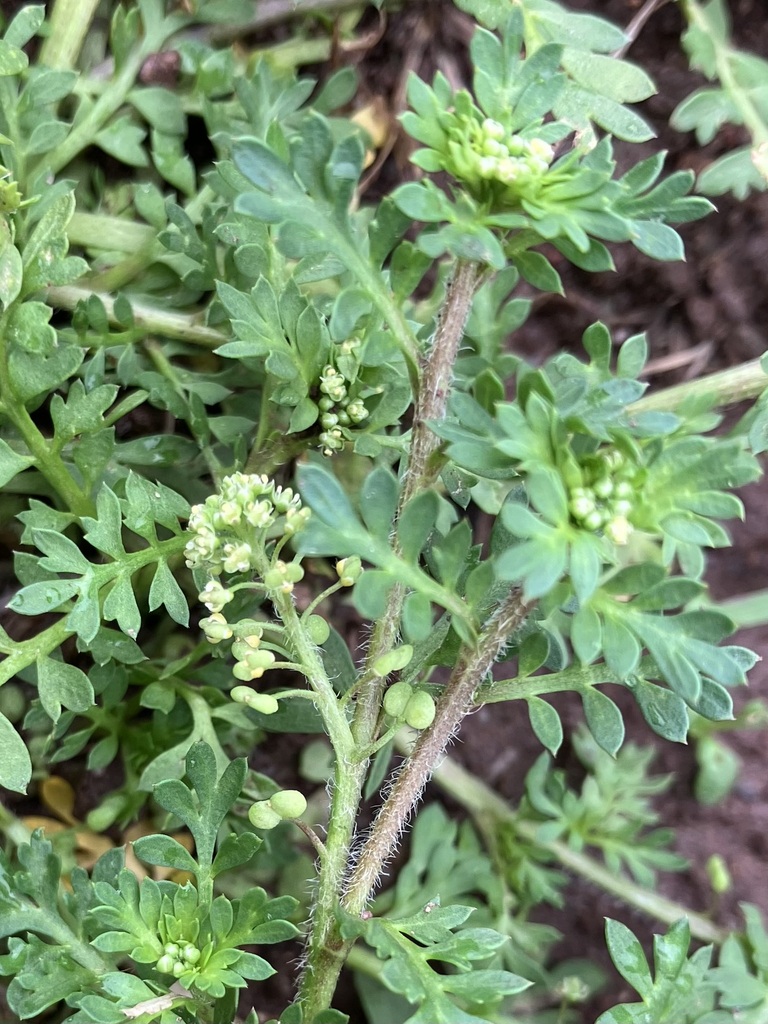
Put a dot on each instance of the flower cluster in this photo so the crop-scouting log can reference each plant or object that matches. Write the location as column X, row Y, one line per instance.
column 337, row 409
column 178, row 959
column 229, row 526
column 485, row 150
column 604, row 502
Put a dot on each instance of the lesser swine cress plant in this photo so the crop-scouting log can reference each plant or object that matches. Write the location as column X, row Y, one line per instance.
column 602, row 502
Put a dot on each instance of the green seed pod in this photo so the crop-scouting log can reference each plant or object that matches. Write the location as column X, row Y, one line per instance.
column 718, row 874
column 393, row 661
column 396, row 699
column 318, row 629
column 420, row 710
column 263, row 702
column 288, row 803
column 165, row 964
column 191, row 953
column 179, row 968
column 171, row 949
column 262, row 816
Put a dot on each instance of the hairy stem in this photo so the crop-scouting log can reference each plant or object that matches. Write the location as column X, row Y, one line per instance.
column 431, row 402
column 455, row 702
column 484, row 804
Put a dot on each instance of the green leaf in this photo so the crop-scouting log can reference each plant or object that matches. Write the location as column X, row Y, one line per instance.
column 123, row 140
column 416, row 523
column 545, row 723
column 11, row 463
column 663, row 710
column 59, row 684
column 627, row 954
column 604, row 719
column 161, row 108
column 166, row 591
column 657, row 240
column 539, row 272
column 325, row 496
column 622, row 81
column 15, row 763
column 164, row 852
column 12, row 60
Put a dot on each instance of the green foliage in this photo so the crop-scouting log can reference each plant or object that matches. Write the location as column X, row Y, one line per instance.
column 72, row 950
column 737, row 98
column 690, row 990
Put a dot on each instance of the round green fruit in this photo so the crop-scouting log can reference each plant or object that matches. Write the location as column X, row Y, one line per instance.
column 396, row 699
column 288, row 803
column 261, row 815
column 318, row 629
column 420, row 710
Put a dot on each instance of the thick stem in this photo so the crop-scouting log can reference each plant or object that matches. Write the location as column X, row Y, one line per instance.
column 179, row 326
column 454, row 704
column 483, row 803
column 724, row 388
column 431, row 402
column 47, row 456
column 69, row 25
column 437, row 372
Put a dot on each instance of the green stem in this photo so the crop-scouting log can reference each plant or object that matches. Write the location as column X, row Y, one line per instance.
column 454, row 704
column 724, row 388
column 84, row 131
column 576, row 678
column 69, row 23
column 484, row 804
column 179, row 326
column 431, row 402
column 45, row 452
column 725, row 56
column 345, row 798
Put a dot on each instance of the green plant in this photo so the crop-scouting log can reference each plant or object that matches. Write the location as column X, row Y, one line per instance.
column 737, row 97
column 298, row 328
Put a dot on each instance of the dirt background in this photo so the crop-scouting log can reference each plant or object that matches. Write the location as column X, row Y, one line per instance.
column 701, row 316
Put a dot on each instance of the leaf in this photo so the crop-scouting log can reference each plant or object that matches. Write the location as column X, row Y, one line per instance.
column 15, row 763
column 61, row 684
column 11, row 463
column 627, row 954
column 164, row 852
column 123, row 140
column 663, row 710
column 657, row 240
column 604, row 719
column 166, row 591
column 539, row 272
column 12, row 60
column 545, row 723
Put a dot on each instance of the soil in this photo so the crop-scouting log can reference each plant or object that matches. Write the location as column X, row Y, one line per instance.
column 701, row 316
